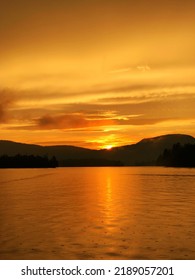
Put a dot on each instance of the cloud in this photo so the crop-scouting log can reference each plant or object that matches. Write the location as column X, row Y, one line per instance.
column 169, row 107
column 70, row 121
column 143, row 68
column 97, row 89
column 148, row 107
column 141, row 121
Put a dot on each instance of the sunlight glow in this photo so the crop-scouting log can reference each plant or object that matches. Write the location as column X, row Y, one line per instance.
column 108, row 147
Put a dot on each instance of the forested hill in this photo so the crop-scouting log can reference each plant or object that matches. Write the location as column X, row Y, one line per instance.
column 145, row 152
column 25, row 161
column 178, row 156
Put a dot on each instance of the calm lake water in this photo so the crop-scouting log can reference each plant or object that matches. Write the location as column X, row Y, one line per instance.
column 97, row 213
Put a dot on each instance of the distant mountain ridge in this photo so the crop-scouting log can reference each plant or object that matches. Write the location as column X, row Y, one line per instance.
column 145, row 152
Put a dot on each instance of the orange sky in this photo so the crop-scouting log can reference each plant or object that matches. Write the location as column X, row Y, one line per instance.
column 94, row 73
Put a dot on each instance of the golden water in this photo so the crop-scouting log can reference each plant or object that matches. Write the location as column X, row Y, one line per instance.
column 97, row 213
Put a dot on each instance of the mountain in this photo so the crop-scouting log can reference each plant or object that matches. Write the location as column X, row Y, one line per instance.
column 147, row 150
column 13, row 148
column 144, row 152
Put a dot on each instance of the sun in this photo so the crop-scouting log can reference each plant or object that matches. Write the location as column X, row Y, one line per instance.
column 108, row 147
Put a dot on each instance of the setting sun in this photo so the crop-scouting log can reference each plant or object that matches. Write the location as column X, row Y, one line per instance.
column 108, row 147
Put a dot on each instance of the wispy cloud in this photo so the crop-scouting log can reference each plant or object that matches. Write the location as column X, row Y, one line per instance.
column 143, row 68
column 150, row 108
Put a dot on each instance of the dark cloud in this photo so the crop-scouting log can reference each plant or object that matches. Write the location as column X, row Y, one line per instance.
column 70, row 121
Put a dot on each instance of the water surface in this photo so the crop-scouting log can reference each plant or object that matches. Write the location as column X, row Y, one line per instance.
column 97, row 213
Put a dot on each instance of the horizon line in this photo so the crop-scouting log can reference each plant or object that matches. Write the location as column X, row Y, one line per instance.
column 67, row 145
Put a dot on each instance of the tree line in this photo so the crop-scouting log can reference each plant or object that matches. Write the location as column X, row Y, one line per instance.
column 178, row 156
column 27, row 161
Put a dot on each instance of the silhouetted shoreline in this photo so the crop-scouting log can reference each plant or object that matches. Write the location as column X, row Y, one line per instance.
column 178, row 156
column 24, row 161
column 158, row 151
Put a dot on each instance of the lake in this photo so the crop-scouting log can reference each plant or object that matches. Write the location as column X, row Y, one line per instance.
column 97, row 213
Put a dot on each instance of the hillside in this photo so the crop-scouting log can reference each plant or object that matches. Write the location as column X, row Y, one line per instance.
column 144, row 152
column 147, row 150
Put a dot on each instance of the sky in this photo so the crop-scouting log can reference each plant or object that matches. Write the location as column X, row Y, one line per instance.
column 96, row 73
